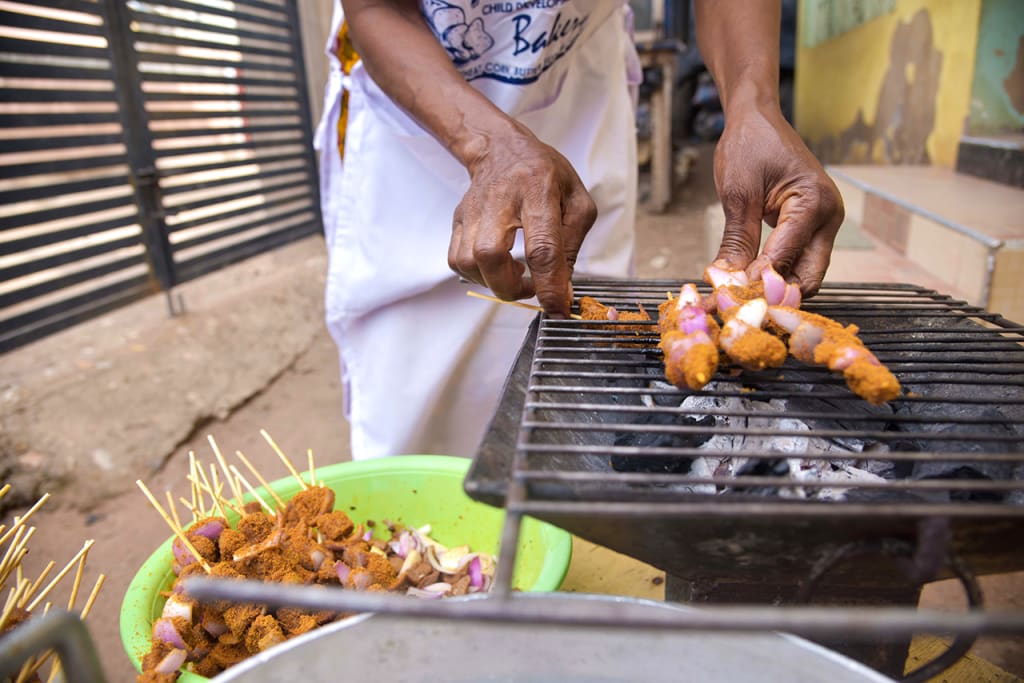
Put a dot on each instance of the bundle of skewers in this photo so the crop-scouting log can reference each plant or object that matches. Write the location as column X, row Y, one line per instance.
column 758, row 325
column 239, row 531
column 27, row 598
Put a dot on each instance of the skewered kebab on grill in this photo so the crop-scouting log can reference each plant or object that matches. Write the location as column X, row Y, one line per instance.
column 746, row 308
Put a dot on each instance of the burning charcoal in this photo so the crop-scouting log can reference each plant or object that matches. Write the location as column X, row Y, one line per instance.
column 665, row 465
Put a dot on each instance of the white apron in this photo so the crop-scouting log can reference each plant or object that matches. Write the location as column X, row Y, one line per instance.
column 422, row 363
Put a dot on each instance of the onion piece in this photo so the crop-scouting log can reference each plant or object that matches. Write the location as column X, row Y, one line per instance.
column 613, row 313
column 439, row 587
column 342, row 570
column 317, row 557
column 165, row 632
column 210, row 528
column 171, row 662
column 774, row 286
column 421, row 593
column 177, row 606
column 792, row 297
column 183, row 557
column 476, row 574
column 214, row 624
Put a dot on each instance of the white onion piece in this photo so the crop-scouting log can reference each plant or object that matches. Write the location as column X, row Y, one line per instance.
column 420, row 593
column 317, row 556
column 177, row 606
column 171, row 662
column 439, row 587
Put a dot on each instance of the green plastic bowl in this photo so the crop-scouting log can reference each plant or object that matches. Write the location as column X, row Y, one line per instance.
column 411, row 489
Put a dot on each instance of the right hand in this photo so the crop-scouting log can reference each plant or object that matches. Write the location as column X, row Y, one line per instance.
column 516, row 182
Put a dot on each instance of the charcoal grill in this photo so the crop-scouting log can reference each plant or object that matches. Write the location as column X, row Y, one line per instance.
column 585, row 395
column 587, row 436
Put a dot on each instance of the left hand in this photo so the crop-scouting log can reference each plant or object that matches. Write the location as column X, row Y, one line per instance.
column 763, row 171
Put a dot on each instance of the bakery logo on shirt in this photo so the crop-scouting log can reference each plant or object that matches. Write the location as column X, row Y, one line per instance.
column 529, row 39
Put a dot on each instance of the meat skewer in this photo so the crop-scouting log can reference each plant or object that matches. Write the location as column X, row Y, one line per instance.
column 745, row 342
column 818, row 340
column 688, row 339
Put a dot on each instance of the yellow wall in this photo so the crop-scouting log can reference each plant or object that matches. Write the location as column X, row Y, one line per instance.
column 841, row 79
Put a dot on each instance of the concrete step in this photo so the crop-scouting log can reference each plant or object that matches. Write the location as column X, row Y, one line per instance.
column 965, row 233
column 999, row 158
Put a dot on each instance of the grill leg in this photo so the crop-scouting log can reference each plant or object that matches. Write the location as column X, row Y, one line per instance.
column 887, row 657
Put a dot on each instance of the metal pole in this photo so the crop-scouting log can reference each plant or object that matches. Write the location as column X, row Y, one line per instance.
column 139, row 142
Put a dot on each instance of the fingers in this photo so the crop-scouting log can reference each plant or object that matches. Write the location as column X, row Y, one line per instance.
column 810, row 268
column 741, row 238
column 480, row 248
column 546, row 251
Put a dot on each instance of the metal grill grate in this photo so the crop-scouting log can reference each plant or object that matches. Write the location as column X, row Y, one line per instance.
column 606, row 449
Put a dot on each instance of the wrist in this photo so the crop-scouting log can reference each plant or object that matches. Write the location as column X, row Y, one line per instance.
column 474, row 143
column 752, row 94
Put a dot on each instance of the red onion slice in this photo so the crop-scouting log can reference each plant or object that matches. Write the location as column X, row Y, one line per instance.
column 164, row 631
column 210, row 528
column 476, row 573
column 774, row 286
column 183, row 557
column 342, row 570
column 421, row 593
column 792, row 297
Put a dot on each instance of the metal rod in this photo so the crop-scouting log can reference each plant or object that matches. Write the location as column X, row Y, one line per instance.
column 735, row 508
column 817, row 622
column 59, row 630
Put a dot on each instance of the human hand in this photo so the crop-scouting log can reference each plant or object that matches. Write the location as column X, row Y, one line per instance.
column 519, row 182
column 763, row 171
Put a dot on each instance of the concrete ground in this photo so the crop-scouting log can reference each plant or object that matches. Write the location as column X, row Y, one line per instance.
column 127, row 396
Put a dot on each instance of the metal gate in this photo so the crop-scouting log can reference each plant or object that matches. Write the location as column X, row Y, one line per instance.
column 143, row 144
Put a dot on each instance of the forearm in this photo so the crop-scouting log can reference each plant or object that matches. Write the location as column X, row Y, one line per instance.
column 740, row 43
column 402, row 55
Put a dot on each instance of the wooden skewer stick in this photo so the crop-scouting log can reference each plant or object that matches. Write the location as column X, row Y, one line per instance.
column 177, row 530
column 20, row 521
column 312, row 468
column 37, row 583
column 218, row 499
column 188, row 506
column 520, row 304
column 91, row 600
column 12, row 601
column 11, row 558
column 49, row 587
column 284, row 459
column 235, row 489
column 77, row 583
column 247, row 485
column 260, row 479
column 209, row 488
column 197, row 510
column 173, row 509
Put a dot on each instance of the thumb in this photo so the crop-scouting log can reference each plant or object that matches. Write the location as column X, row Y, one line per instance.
column 741, row 238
